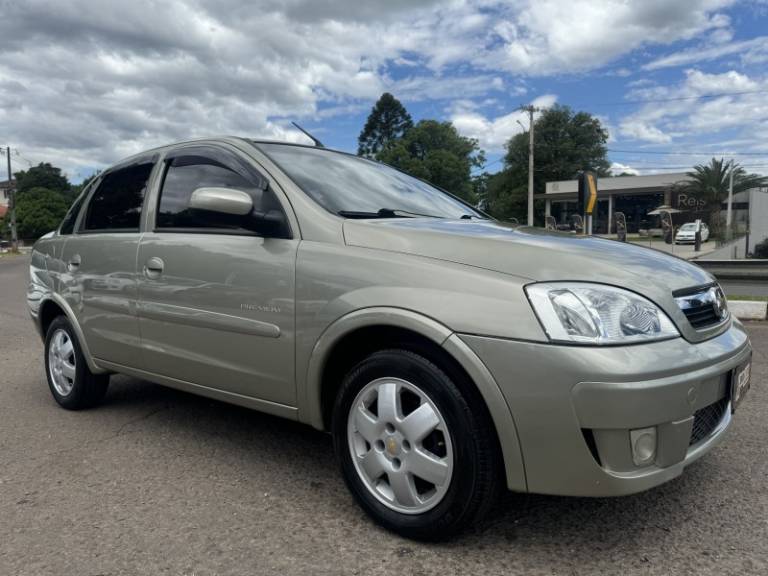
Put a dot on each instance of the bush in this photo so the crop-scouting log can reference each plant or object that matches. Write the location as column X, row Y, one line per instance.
column 761, row 249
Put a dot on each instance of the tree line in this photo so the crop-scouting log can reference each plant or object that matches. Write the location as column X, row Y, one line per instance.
column 566, row 141
column 43, row 196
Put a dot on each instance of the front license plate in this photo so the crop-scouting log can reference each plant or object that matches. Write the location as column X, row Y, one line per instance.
column 740, row 380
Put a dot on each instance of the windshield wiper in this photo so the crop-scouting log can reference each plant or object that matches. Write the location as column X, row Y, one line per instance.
column 384, row 213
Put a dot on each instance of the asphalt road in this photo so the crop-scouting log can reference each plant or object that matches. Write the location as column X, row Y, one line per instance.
column 160, row 482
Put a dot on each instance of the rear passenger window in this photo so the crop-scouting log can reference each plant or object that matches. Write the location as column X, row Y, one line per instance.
column 68, row 223
column 116, row 204
column 186, row 174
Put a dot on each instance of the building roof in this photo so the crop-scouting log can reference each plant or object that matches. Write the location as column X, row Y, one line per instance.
column 651, row 184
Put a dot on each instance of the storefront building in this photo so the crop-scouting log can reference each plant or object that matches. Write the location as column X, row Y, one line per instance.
column 634, row 196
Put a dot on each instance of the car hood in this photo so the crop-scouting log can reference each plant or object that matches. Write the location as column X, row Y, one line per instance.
column 530, row 253
column 538, row 255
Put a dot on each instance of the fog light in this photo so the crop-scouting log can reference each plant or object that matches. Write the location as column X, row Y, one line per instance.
column 643, row 442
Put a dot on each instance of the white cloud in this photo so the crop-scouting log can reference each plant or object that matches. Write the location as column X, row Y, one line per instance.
column 639, row 130
column 619, row 168
column 494, row 133
column 748, row 49
column 555, row 36
column 684, row 115
column 83, row 83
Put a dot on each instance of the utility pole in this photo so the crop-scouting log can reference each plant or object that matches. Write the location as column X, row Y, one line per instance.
column 530, row 109
column 12, row 202
column 729, row 212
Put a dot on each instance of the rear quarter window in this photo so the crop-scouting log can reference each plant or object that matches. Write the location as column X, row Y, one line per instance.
column 117, row 203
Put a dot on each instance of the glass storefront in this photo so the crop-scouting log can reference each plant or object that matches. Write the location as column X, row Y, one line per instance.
column 636, row 208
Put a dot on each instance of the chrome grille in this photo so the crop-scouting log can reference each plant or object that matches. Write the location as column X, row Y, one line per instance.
column 706, row 419
column 703, row 307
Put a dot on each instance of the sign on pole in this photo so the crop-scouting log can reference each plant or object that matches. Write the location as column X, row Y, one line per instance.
column 588, row 197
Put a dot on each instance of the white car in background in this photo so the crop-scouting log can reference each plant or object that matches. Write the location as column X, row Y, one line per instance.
column 687, row 233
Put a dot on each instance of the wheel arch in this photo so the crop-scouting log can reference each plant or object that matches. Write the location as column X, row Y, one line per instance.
column 354, row 336
column 54, row 305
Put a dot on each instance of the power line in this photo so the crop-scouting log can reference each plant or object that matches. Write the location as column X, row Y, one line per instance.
column 676, row 153
column 677, row 98
column 688, row 167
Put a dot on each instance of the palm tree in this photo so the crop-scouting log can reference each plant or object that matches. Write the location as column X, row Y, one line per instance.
column 709, row 183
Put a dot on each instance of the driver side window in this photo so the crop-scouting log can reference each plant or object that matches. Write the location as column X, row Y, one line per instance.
column 185, row 174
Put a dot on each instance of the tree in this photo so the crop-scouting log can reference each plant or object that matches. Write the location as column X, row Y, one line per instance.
column 436, row 152
column 565, row 142
column 44, row 175
column 507, row 195
column 709, row 183
column 39, row 210
column 78, row 188
column 388, row 121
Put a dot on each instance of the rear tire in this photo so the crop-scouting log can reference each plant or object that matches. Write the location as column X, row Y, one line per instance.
column 415, row 446
column 72, row 383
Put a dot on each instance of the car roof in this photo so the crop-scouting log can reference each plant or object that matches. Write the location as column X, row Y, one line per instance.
column 221, row 138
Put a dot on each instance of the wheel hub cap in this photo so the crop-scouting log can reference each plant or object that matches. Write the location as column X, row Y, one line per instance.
column 400, row 445
column 61, row 362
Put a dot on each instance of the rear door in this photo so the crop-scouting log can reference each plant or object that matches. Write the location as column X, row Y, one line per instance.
column 98, row 277
column 216, row 294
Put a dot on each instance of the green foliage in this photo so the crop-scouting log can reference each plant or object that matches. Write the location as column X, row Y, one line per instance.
column 761, row 249
column 710, row 182
column 388, row 121
column 44, row 175
column 507, row 195
column 39, row 210
column 436, row 152
column 565, row 142
column 78, row 188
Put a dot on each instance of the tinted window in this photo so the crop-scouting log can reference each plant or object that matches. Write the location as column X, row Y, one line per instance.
column 345, row 183
column 116, row 204
column 68, row 224
column 186, row 174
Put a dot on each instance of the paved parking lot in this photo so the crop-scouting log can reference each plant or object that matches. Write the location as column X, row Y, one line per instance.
column 161, row 482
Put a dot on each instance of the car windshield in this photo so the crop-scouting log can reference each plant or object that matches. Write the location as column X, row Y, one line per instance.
column 354, row 187
column 688, row 227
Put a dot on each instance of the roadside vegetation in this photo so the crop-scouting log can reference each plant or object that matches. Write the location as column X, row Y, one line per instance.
column 43, row 196
column 566, row 142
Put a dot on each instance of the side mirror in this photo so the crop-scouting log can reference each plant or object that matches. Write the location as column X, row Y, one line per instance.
column 224, row 200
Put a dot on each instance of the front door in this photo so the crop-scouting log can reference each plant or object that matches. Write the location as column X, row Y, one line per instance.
column 98, row 277
column 217, row 296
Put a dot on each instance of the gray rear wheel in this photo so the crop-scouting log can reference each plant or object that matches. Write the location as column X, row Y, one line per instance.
column 72, row 383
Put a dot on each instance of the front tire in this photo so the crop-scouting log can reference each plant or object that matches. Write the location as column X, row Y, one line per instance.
column 72, row 384
column 415, row 445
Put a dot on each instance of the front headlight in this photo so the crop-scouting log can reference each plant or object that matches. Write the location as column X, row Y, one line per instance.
column 582, row 313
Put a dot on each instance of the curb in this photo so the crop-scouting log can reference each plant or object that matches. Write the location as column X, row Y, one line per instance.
column 748, row 309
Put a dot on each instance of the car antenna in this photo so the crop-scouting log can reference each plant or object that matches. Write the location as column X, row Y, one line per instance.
column 317, row 142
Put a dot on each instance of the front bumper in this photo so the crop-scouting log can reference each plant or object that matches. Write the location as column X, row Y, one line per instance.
column 574, row 407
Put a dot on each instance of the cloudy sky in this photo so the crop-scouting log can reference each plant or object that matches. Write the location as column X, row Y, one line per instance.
column 86, row 82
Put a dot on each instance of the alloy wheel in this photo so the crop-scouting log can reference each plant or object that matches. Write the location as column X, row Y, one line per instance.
column 400, row 445
column 62, row 363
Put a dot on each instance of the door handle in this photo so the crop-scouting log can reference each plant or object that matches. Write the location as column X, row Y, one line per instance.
column 74, row 263
column 154, row 267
